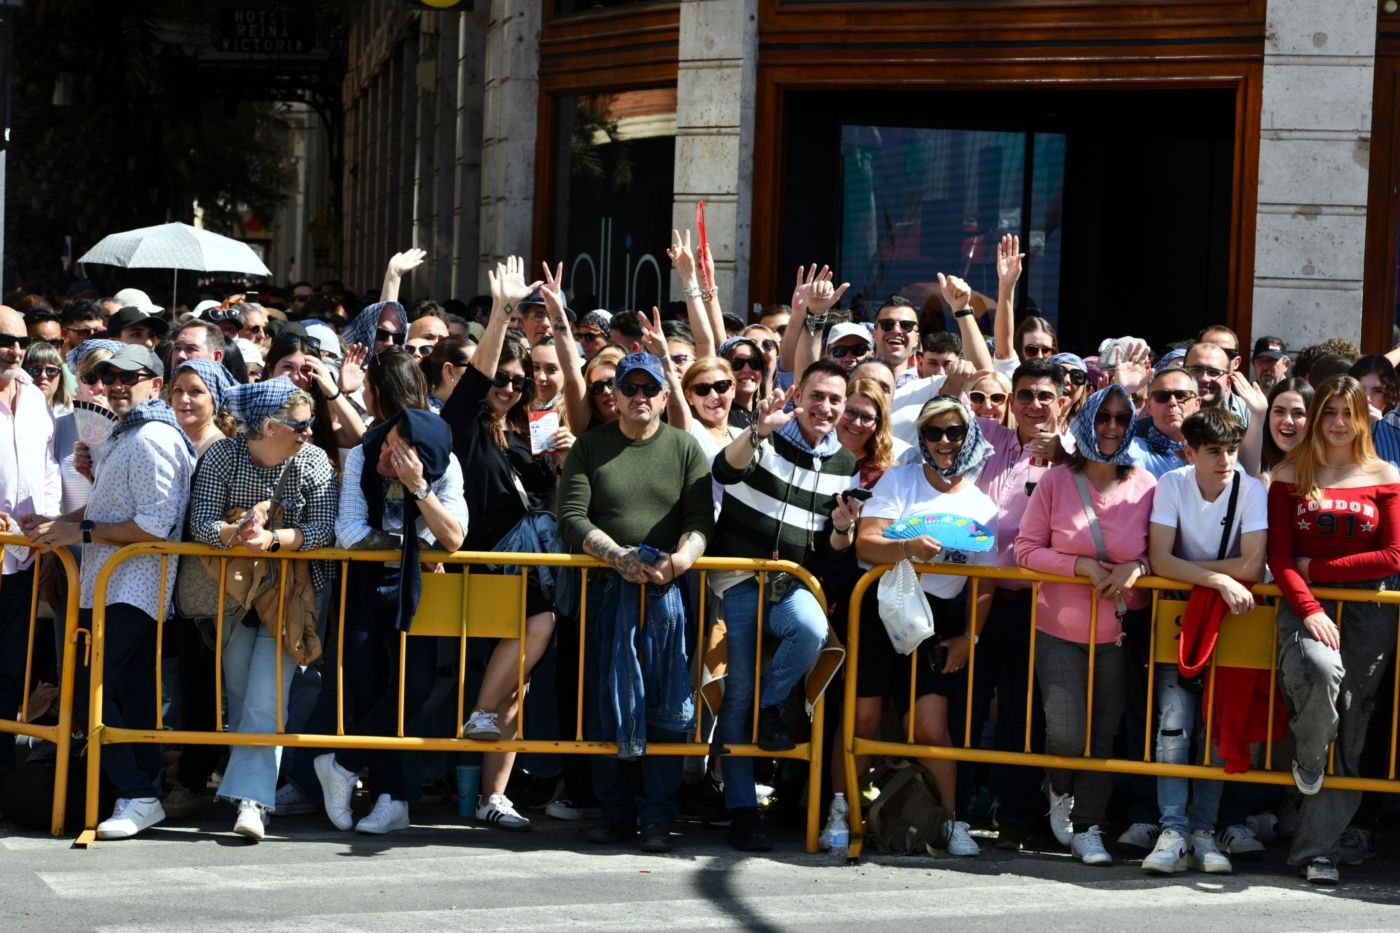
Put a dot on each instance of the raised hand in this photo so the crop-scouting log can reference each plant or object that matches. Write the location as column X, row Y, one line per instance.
column 820, row 295
column 401, row 264
column 508, row 285
column 682, row 259
column 771, row 413
column 956, row 292
column 352, row 368
column 553, row 292
column 1249, row 393
column 653, row 337
column 1009, row 258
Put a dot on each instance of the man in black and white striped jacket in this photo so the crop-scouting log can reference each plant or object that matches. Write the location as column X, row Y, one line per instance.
column 780, row 478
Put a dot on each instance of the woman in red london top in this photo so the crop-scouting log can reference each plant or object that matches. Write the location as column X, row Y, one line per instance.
column 1334, row 520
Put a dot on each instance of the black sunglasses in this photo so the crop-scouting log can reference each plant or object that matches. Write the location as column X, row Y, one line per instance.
column 47, row 372
column 387, row 336
column 297, row 340
column 649, row 389
column 934, row 434
column 10, row 340
column 218, row 315
column 1122, row 418
column 702, row 389
column 751, row 362
column 503, row 379
column 1038, row 351
column 1026, row 397
column 856, row 350
column 1077, row 376
column 127, row 379
column 599, row 386
column 1162, row 396
column 888, row 324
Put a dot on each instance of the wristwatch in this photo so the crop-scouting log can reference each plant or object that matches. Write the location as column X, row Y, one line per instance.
column 422, row 492
column 87, row 525
column 276, row 544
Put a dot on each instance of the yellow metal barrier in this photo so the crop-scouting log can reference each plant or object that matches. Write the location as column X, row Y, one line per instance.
column 453, row 605
column 59, row 733
column 1245, row 641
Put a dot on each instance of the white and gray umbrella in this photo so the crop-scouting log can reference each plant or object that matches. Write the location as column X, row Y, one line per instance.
column 176, row 246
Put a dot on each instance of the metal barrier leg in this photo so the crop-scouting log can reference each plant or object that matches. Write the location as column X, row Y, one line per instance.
column 93, row 750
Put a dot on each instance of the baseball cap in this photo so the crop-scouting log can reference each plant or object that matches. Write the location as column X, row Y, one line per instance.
column 133, row 358
column 848, row 329
column 537, row 298
column 1270, row 348
column 639, row 362
column 135, row 298
column 325, row 335
column 130, row 315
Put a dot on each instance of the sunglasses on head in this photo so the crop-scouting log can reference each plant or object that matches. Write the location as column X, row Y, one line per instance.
column 1038, row 351
column 10, row 340
column 301, row 427
column 127, row 379
column 1077, row 376
column 1026, row 396
column 1163, row 396
column 300, row 342
column 649, row 389
column 46, row 372
column 981, row 398
column 503, row 379
column 888, row 324
column 857, row 350
column 220, row 315
column 934, row 434
column 599, row 386
column 388, row 336
column 1122, row 418
column 702, row 389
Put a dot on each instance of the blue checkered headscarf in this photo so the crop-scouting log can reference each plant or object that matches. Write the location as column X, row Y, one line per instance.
column 216, row 378
column 255, row 402
column 361, row 330
column 1086, row 441
column 98, row 343
column 976, row 449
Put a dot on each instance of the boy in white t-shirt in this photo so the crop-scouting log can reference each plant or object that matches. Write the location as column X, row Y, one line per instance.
column 1209, row 528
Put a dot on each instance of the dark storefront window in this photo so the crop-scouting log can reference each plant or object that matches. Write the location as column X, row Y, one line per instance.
column 573, row 7
column 917, row 201
column 614, row 164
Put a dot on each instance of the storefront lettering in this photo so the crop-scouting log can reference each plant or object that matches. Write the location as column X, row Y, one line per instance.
column 601, row 270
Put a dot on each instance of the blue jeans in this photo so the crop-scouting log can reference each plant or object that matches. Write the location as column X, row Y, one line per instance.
column 1179, row 735
column 250, row 680
column 640, row 674
column 800, row 624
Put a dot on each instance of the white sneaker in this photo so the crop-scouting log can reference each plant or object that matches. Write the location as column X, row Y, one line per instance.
column 251, row 822
column 563, row 808
column 1088, row 847
column 1205, row 856
column 499, row 811
column 1061, row 807
column 1140, row 836
column 290, row 801
column 481, row 725
column 337, row 785
column 130, row 816
column 388, row 816
column 1239, row 840
column 1168, row 856
column 1264, row 826
column 959, row 842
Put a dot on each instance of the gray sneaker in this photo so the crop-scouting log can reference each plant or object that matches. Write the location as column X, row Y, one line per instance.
column 1321, row 871
column 1309, row 782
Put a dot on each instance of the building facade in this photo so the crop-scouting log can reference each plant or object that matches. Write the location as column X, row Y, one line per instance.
column 1166, row 165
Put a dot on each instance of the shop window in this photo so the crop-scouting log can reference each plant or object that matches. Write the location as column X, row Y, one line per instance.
column 574, row 7
column 614, row 162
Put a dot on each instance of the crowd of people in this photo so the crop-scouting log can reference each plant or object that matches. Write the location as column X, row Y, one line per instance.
column 298, row 420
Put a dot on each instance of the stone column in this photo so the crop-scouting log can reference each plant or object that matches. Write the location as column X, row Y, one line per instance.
column 1314, row 155
column 510, row 109
column 714, row 136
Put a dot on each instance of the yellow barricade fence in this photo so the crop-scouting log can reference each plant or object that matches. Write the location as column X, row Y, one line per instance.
column 462, row 606
column 1247, row 641
column 65, row 618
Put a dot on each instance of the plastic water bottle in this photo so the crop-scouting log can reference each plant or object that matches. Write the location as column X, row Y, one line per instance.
column 840, row 829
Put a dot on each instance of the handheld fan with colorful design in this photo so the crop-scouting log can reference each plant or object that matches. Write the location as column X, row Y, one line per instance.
column 95, row 422
column 956, row 532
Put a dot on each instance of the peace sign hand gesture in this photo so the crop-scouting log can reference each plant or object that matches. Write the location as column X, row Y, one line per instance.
column 653, row 337
column 771, row 413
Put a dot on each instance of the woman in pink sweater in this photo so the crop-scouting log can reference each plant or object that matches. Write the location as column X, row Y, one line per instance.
column 1057, row 536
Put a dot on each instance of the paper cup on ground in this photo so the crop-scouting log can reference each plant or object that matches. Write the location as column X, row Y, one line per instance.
column 468, row 788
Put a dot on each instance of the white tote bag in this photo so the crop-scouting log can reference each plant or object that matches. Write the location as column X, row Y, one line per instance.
column 904, row 608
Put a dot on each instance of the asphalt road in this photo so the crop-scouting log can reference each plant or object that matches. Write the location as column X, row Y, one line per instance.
column 443, row 875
